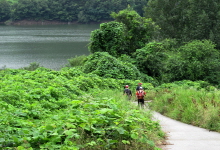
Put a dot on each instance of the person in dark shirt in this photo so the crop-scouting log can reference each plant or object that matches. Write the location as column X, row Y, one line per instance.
column 127, row 92
column 138, row 87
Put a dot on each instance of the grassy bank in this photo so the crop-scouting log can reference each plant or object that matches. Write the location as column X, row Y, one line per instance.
column 67, row 109
column 193, row 103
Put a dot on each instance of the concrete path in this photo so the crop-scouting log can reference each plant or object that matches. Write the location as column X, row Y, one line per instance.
column 182, row 136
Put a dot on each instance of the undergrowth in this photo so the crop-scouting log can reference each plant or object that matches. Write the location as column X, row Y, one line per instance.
column 67, row 109
column 195, row 103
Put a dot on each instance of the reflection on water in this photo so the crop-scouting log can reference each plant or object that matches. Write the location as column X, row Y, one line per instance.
column 48, row 45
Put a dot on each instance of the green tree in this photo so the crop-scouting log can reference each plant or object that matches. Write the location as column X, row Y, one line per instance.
column 168, row 15
column 96, row 10
column 139, row 30
column 64, row 10
column 201, row 61
column 109, row 38
column 139, row 6
column 83, row 11
column 30, row 9
column 151, row 59
column 60, row 10
column 196, row 60
column 127, row 33
column 5, row 9
column 186, row 20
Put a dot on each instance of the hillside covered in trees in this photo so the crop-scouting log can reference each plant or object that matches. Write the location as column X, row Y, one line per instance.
column 83, row 11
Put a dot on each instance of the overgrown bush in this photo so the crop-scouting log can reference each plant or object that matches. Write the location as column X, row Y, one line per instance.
column 33, row 66
column 76, row 61
column 107, row 66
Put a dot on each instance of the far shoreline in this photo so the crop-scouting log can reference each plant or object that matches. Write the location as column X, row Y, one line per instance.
column 46, row 22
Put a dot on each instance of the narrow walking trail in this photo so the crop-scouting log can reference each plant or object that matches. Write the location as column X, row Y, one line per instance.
column 182, row 136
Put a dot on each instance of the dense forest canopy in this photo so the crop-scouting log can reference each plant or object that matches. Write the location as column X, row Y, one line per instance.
column 186, row 20
column 83, row 11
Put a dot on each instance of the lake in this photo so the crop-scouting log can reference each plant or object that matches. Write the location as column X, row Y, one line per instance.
column 49, row 45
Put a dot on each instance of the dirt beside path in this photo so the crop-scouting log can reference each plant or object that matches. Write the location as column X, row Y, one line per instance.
column 181, row 136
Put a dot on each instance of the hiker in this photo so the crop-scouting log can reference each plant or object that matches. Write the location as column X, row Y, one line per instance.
column 138, row 87
column 140, row 96
column 127, row 92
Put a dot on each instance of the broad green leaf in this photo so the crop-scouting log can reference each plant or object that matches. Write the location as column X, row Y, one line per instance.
column 134, row 136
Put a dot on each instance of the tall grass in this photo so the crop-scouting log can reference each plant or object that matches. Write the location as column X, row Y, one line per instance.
column 199, row 107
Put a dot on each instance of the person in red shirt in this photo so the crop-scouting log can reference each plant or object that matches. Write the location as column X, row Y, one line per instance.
column 140, row 96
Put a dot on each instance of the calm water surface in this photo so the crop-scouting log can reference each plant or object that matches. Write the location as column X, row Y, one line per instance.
column 49, row 45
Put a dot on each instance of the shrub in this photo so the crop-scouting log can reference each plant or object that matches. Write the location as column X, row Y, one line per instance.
column 105, row 65
column 33, row 66
column 76, row 61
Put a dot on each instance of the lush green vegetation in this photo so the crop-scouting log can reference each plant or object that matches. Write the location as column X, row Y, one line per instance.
column 4, row 10
column 130, row 32
column 186, row 20
column 65, row 10
column 174, row 49
column 68, row 109
column 167, row 60
column 195, row 103
column 196, row 60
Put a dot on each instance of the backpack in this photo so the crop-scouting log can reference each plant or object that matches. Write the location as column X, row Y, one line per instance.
column 140, row 94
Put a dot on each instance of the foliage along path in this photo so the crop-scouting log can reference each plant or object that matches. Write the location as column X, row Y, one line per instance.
column 181, row 136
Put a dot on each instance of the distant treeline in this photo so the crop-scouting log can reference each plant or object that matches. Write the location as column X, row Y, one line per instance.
column 83, row 11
